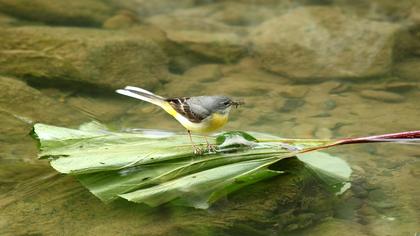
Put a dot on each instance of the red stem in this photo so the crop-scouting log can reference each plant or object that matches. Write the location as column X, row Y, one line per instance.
column 381, row 138
column 370, row 139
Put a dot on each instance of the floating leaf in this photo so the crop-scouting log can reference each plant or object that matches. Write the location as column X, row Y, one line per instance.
column 156, row 167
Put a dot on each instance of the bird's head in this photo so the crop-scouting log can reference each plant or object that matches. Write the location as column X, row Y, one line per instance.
column 224, row 104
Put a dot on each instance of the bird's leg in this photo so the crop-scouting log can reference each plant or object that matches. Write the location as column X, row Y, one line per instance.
column 196, row 150
column 210, row 147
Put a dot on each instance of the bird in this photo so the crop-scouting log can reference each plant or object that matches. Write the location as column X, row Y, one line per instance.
column 201, row 114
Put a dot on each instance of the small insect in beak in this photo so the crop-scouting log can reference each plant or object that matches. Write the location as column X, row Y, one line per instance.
column 237, row 103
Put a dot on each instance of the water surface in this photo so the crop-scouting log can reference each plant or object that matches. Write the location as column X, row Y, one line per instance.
column 306, row 69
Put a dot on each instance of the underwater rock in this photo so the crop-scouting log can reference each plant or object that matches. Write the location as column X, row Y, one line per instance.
column 330, row 87
column 415, row 170
column 6, row 20
column 379, row 200
column 122, row 20
column 408, row 43
column 12, row 125
column 266, row 208
column 103, row 108
column 381, row 10
column 304, row 130
column 408, row 69
column 381, row 96
column 98, row 57
column 295, row 91
column 415, row 14
column 323, row 133
column 204, row 37
column 144, row 8
column 333, row 226
column 252, row 81
column 296, row 199
column 237, row 13
column 401, row 87
column 240, row 14
column 208, row 33
column 204, row 73
column 377, row 195
column 22, row 105
column 75, row 12
column 323, row 42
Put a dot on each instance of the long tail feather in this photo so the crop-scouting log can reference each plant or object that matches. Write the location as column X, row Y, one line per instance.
column 132, row 88
column 141, row 94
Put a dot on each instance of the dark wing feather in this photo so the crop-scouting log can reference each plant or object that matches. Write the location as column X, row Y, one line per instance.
column 181, row 106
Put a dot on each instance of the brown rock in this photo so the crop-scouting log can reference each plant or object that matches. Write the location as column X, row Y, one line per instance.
column 146, row 8
column 98, row 57
column 122, row 20
column 323, row 42
column 204, row 73
column 323, row 133
column 415, row 169
column 22, row 106
column 331, row 227
column 408, row 70
column 239, row 13
column 381, row 96
column 207, row 38
column 401, row 87
column 382, row 10
column 104, row 109
column 408, row 43
column 75, row 12
column 12, row 125
column 6, row 20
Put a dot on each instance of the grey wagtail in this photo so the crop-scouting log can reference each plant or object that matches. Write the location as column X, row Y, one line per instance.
column 202, row 114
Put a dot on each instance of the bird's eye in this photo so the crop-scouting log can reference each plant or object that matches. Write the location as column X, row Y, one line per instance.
column 226, row 103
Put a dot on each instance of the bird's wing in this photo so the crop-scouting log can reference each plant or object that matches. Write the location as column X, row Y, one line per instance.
column 193, row 113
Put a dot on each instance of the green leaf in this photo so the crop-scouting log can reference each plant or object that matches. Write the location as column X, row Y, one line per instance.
column 156, row 167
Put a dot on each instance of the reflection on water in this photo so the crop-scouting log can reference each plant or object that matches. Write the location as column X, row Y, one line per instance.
column 306, row 69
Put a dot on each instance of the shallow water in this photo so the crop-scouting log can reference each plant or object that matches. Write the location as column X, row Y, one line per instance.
column 319, row 73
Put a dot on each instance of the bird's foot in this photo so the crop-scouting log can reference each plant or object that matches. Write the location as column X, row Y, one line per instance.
column 211, row 148
column 198, row 150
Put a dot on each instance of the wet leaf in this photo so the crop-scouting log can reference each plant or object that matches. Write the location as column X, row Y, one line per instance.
column 156, row 167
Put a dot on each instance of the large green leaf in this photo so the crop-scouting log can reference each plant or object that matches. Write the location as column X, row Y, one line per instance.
column 156, row 167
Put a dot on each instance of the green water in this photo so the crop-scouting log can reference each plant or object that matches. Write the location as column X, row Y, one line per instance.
column 305, row 69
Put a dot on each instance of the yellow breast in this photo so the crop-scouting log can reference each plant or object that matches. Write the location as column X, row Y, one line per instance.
column 217, row 121
column 208, row 125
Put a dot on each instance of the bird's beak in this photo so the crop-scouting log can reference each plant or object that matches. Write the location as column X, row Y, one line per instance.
column 237, row 103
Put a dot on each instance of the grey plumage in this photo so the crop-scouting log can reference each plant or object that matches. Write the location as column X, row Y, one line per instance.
column 196, row 109
column 209, row 103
